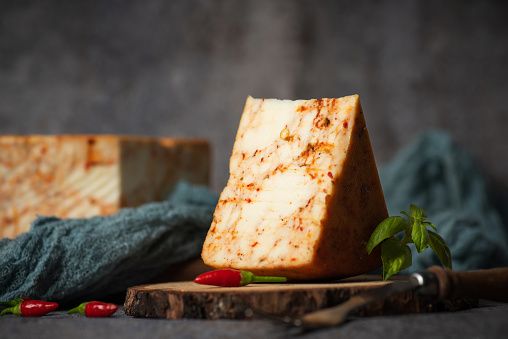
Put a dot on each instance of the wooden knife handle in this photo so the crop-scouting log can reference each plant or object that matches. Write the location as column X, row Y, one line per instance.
column 491, row 284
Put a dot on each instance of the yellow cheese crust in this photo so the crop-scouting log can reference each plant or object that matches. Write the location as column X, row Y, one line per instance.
column 303, row 195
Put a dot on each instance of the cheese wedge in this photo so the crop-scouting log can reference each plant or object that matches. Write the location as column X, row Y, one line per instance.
column 76, row 176
column 303, row 196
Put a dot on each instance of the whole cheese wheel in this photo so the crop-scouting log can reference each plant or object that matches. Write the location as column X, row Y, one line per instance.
column 78, row 176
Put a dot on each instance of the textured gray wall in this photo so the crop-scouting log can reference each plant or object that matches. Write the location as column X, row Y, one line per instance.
column 185, row 68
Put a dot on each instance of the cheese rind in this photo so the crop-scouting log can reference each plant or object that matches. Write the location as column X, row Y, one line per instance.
column 76, row 176
column 303, row 196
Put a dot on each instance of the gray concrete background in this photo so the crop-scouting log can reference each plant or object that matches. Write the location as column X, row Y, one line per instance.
column 185, row 68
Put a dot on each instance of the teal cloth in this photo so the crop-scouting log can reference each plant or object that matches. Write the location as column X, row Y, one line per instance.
column 441, row 178
column 75, row 260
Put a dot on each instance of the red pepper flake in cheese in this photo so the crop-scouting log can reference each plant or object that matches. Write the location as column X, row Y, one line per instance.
column 310, row 147
column 254, row 244
column 322, row 123
column 330, row 175
column 344, row 124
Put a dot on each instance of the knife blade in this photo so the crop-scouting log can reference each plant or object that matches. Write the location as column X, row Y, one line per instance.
column 435, row 282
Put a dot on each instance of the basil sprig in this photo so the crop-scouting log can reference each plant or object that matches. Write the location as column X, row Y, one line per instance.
column 395, row 253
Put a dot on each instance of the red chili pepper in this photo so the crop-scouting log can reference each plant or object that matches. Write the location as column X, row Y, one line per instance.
column 95, row 309
column 233, row 278
column 14, row 302
column 31, row 308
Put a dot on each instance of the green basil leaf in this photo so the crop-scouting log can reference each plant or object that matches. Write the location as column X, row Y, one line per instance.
column 396, row 256
column 386, row 229
column 420, row 236
column 417, row 214
column 439, row 246
column 428, row 223
column 406, row 214
column 407, row 236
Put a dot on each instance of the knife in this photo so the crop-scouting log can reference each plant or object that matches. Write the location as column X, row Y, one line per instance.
column 435, row 283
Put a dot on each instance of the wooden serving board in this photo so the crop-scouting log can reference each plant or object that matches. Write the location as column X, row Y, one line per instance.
column 187, row 299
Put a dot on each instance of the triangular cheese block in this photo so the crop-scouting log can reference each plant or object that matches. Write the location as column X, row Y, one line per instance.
column 303, row 196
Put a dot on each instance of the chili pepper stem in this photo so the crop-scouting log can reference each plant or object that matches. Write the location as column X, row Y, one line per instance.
column 248, row 277
column 269, row 279
column 80, row 309
column 16, row 309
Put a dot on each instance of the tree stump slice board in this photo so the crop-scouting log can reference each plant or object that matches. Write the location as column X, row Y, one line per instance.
column 178, row 300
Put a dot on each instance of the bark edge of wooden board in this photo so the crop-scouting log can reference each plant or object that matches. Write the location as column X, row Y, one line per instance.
column 181, row 300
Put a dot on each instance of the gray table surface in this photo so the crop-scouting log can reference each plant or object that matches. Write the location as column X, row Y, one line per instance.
column 489, row 320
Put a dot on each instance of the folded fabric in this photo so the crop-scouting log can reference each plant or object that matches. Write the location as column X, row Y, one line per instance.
column 69, row 260
column 441, row 178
